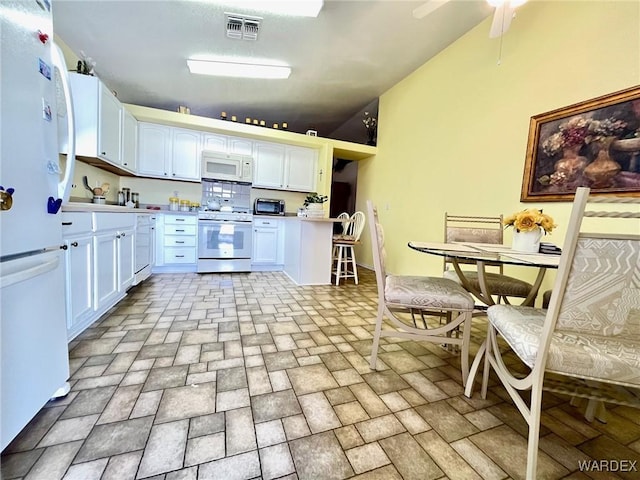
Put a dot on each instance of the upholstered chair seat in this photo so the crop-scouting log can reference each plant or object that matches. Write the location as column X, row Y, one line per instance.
column 505, row 285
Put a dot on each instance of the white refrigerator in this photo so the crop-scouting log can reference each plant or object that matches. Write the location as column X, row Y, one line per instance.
column 35, row 105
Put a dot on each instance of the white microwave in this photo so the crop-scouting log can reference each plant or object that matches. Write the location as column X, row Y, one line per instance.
column 227, row 166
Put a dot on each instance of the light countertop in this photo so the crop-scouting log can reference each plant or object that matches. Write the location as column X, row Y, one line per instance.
column 97, row 207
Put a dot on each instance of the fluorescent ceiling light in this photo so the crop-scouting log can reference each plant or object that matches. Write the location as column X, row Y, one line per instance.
column 238, row 69
column 298, row 8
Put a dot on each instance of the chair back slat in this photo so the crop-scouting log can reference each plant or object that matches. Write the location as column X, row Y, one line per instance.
column 344, row 217
column 377, row 242
column 466, row 228
column 356, row 226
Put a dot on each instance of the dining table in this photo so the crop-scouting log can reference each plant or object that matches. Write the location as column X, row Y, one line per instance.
column 489, row 254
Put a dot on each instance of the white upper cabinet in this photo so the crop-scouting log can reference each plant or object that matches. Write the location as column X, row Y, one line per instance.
column 98, row 119
column 129, row 141
column 109, row 126
column 300, row 169
column 185, row 156
column 169, row 152
column 214, row 142
column 284, row 167
column 154, row 150
column 268, row 165
column 241, row 146
column 227, row 144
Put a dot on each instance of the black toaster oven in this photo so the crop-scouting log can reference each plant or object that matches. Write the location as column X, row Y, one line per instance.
column 268, row 206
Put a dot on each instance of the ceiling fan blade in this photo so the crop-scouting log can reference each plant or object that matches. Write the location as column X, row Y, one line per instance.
column 501, row 19
column 428, row 7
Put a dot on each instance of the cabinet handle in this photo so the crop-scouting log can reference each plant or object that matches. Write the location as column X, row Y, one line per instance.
column 117, row 236
column 104, row 153
column 125, row 164
column 179, row 256
column 165, row 174
column 74, row 244
column 67, row 223
column 124, row 234
column 182, row 241
column 179, row 230
column 173, row 174
column 179, row 219
column 63, row 247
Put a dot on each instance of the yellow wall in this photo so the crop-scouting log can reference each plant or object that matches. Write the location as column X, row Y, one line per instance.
column 452, row 136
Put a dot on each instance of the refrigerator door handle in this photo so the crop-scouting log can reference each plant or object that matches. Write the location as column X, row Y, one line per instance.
column 64, row 186
column 25, row 268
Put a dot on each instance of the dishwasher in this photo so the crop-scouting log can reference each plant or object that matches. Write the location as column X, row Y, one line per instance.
column 143, row 248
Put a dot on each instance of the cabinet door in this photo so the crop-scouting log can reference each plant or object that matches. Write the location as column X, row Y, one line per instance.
column 105, row 268
column 268, row 165
column 79, row 281
column 185, row 155
column 265, row 245
column 154, row 150
column 300, row 169
column 241, row 146
column 213, row 142
column 110, row 126
column 129, row 141
column 126, row 262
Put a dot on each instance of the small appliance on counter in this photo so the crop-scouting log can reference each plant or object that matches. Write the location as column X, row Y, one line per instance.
column 268, row 206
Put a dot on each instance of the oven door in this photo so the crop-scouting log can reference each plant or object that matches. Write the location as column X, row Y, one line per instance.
column 224, row 239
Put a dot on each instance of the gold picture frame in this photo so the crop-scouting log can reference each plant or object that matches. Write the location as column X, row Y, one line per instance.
column 595, row 143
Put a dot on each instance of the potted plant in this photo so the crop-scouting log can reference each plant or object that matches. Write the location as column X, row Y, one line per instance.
column 529, row 225
column 313, row 203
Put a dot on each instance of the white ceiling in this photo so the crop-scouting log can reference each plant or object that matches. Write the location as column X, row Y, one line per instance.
column 341, row 61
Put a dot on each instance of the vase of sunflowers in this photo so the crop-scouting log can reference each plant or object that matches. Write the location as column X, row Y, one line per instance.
column 528, row 228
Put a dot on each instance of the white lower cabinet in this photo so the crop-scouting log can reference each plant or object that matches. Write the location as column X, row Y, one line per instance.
column 79, row 281
column 176, row 243
column 105, row 263
column 126, row 260
column 268, row 244
column 99, row 261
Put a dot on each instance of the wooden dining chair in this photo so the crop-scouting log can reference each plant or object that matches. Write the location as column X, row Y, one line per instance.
column 587, row 343
column 477, row 229
column 399, row 295
column 344, row 224
column 345, row 261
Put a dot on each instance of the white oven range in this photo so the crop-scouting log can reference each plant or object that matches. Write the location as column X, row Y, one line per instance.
column 225, row 240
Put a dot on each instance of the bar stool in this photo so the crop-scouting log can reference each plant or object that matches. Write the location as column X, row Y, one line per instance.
column 344, row 220
column 345, row 259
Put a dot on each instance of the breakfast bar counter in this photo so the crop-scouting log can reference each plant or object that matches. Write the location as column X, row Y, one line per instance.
column 307, row 257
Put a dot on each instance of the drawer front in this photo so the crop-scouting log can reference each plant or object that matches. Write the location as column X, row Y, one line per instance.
column 173, row 255
column 75, row 223
column 179, row 241
column 180, row 230
column 113, row 221
column 259, row 222
column 180, row 220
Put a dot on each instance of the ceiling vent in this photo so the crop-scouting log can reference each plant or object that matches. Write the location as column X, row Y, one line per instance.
column 242, row 27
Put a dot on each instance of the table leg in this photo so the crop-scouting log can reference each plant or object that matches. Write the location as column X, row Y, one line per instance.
column 482, row 295
column 531, row 298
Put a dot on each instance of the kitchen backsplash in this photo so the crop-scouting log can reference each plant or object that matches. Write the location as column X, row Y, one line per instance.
column 96, row 177
column 157, row 192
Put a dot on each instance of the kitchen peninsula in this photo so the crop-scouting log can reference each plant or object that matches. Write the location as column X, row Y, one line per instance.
column 307, row 246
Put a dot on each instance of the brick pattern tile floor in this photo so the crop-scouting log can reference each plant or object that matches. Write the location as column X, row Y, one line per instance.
column 244, row 376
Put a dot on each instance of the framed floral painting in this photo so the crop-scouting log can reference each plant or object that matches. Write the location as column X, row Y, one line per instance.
column 593, row 144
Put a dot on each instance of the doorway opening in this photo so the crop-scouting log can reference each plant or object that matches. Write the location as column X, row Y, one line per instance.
column 344, row 182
